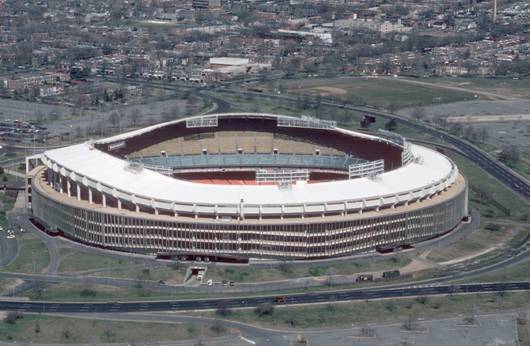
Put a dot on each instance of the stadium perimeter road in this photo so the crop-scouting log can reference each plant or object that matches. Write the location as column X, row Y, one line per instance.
column 246, row 302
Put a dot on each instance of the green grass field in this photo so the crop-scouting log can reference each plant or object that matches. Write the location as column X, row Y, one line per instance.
column 75, row 261
column 60, row 330
column 480, row 240
column 288, row 271
column 378, row 92
column 380, row 311
column 32, row 257
column 507, row 87
column 89, row 292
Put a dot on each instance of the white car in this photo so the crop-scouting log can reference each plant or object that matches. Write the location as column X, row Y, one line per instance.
column 10, row 236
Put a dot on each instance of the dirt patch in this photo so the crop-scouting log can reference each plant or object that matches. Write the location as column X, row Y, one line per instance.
column 417, row 264
column 330, row 91
column 3, row 315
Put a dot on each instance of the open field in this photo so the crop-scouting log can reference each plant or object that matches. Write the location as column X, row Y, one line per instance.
column 75, row 261
column 33, row 255
column 169, row 274
column 478, row 242
column 380, row 311
column 287, row 271
column 378, row 92
column 517, row 88
column 48, row 329
column 89, row 292
column 119, row 267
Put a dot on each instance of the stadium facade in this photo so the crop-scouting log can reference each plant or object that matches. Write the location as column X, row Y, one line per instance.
column 240, row 186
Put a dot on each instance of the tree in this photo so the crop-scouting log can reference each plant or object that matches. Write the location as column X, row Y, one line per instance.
column 13, row 316
column 492, row 227
column 418, row 113
column 223, row 309
column 78, row 132
column 392, row 107
column 67, row 330
column 136, row 116
column 37, row 327
column 391, row 125
column 510, row 154
column 264, row 309
column 218, row 327
column 410, row 324
column 114, row 119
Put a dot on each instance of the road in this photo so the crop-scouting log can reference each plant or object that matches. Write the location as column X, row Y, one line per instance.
column 247, row 302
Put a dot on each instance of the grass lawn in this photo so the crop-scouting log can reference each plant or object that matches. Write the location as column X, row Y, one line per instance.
column 165, row 273
column 6, row 202
column 51, row 329
column 503, row 86
column 378, row 92
column 75, row 261
column 88, row 292
column 476, row 242
column 518, row 207
column 381, row 311
column 288, row 271
column 32, row 257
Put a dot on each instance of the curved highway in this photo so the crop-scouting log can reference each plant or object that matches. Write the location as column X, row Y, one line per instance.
column 247, row 302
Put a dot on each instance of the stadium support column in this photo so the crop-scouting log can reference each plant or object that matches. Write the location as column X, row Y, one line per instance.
column 61, row 184
column 104, row 200
column 68, row 186
column 119, row 204
column 78, row 191
column 89, row 195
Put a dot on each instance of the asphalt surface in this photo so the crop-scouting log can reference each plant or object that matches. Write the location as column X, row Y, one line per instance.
column 246, row 302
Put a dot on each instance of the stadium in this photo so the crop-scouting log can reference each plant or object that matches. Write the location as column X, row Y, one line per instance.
column 240, row 186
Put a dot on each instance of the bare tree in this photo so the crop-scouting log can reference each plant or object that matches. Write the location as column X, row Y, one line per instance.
column 418, row 113
column 136, row 116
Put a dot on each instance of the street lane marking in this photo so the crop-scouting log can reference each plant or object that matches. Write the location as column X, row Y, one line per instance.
column 252, row 342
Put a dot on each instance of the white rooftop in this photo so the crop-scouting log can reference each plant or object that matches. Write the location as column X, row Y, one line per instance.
column 110, row 171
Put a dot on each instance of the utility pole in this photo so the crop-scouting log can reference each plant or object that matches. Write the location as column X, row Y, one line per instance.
column 494, row 11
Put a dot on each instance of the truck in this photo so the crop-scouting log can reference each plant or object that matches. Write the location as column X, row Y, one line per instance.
column 391, row 274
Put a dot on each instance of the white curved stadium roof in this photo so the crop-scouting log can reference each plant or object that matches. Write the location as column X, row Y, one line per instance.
column 107, row 170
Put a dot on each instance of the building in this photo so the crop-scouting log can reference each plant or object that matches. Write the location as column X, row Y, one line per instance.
column 206, row 4
column 240, row 186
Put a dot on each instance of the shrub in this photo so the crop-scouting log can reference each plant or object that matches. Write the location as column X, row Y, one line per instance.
column 264, row 309
column 492, row 227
